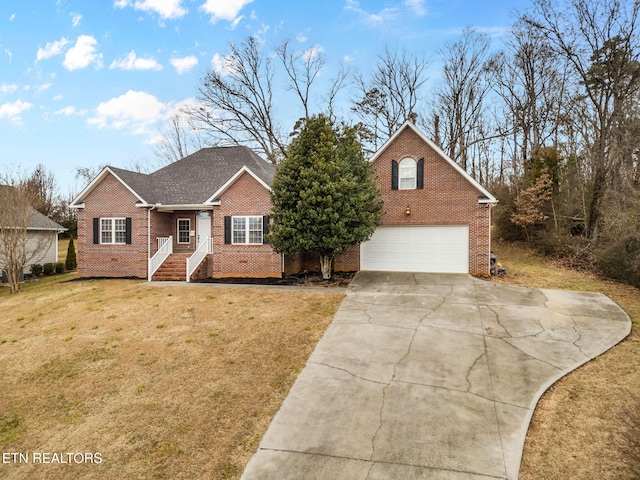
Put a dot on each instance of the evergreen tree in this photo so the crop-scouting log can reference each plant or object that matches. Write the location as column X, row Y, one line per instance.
column 71, row 262
column 324, row 193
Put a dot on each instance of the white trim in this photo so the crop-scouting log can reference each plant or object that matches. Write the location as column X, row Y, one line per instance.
column 186, row 207
column 228, row 183
column 112, row 230
column 178, row 231
column 247, row 229
column 469, row 178
column 78, row 202
column 414, row 169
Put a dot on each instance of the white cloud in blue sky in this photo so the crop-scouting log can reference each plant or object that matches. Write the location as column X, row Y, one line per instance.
column 58, row 101
column 82, row 54
column 167, row 9
column 133, row 62
column 184, row 64
column 224, row 9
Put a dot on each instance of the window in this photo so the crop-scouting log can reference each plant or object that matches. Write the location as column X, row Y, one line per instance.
column 113, row 230
column 407, row 174
column 184, row 230
column 247, row 230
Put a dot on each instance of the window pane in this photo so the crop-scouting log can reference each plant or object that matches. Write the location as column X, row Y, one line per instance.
column 184, row 225
column 105, row 230
column 239, row 230
column 407, row 174
column 255, row 229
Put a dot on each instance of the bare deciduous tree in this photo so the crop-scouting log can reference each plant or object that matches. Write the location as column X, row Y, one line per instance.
column 236, row 102
column 390, row 96
column 18, row 246
column 599, row 39
column 460, row 102
column 179, row 137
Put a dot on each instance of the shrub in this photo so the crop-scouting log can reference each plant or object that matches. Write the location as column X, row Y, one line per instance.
column 621, row 261
column 60, row 267
column 49, row 268
column 36, row 269
column 71, row 262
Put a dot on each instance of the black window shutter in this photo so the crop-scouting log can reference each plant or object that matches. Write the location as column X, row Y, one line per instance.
column 265, row 228
column 128, row 231
column 96, row 230
column 227, row 230
column 420, row 174
column 394, row 175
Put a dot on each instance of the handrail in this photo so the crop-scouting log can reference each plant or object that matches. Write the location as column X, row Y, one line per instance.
column 195, row 260
column 165, row 248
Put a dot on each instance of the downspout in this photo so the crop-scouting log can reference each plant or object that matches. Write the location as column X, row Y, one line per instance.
column 149, row 241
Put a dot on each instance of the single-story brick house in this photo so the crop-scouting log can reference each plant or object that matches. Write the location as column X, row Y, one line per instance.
column 206, row 216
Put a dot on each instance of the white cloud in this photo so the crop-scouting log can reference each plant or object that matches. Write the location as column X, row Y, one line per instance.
column 69, row 111
column 8, row 88
column 12, row 17
column 134, row 111
column 184, row 64
column 43, row 87
column 82, row 54
column 13, row 110
column 312, row 52
column 132, row 62
column 417, row 7
column 224, row 9
column 221, row 65
column 51, row 49
column 167, row 9
column 384, row 15
column 301, row 38
column 75, row 19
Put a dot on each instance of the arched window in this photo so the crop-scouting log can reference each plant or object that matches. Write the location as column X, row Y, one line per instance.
column 407, row 174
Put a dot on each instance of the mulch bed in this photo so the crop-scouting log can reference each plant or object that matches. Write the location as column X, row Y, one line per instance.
column 308, row 279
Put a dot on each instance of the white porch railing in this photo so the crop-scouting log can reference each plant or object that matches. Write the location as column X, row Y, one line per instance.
column 194, row 260
column 165, row 248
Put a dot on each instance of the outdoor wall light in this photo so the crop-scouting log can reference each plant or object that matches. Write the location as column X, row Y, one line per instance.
column 407, row 211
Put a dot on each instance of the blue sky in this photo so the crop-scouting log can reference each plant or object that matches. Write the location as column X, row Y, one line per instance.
column 88, row 83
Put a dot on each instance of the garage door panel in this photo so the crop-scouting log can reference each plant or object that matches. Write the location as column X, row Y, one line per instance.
column 417, row 249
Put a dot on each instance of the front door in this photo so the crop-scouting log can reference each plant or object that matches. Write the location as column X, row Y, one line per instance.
column 203, row 227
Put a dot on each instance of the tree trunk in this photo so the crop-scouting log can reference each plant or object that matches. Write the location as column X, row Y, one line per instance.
column 326, row 261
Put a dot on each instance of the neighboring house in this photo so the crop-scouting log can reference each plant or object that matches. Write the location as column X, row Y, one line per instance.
column 206, row 215
column 42, row 239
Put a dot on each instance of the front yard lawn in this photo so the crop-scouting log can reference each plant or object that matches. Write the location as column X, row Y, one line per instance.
column 162, row 382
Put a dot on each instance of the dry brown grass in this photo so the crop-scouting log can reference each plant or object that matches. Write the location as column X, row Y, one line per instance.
column 164, row 382
column 578, row 428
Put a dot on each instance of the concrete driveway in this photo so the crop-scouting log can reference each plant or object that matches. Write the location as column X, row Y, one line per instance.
column 431, row 376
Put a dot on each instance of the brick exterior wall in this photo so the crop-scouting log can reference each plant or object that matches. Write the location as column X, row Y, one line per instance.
column 246, row 196
column 447, row 198
column 111, row 199
column 348, row 261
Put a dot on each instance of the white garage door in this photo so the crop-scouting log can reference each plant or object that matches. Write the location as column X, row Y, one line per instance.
column 417, row 249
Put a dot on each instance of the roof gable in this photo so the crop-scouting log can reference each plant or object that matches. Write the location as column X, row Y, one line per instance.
column 484, row 197
column 117, row 174
column 196, row 179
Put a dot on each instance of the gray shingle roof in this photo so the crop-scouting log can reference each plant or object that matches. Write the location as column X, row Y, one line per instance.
column 195, row 178
column 37, row 220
